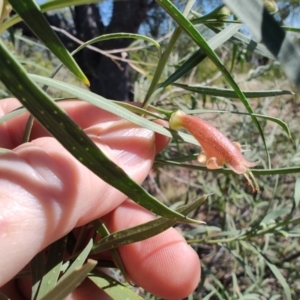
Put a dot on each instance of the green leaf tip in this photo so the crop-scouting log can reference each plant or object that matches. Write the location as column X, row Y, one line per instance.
column 85, row 81
column 31, row 14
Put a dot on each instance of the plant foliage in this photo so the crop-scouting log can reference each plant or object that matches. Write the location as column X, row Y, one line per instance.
column 251, row 239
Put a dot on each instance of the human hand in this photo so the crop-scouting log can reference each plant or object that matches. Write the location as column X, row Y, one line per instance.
column 46, row 192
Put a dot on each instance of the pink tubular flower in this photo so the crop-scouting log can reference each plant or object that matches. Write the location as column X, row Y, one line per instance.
column 217, row 149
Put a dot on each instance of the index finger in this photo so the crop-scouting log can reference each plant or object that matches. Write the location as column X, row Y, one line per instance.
column 84, row 114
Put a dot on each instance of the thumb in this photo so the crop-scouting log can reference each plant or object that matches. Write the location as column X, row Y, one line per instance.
column 46, row 192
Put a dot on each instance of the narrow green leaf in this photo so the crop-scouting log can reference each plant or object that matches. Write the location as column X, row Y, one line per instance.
column 79, row 261
column 274, row 214
column 294, row 233
column 274, row 270
column 52, row 270
column 12, row 114
column 57, row 4
column 235, row 286
column 164, row 58
column 296, row 199
column 72, row 137
column 30, row 12
column 35, row 65
column 234, row 59
column 47, row 6
column 252, row 296
column 244, row 42
column 292, row 29
column 37, row 270
column 277, row 121
column 239, row 39
column 119, row 35
column 112, row 287
column 188, row 65
column 103, row 232
column 275, row 171
column 243, row 263
column 112, row 107
column 138, row 110
column 214, row 14
column 216, row 91
column 210, row 295
column 71, row 282
column 109, row 37
column 199, row 56
column 143, row 231
column 217, row 290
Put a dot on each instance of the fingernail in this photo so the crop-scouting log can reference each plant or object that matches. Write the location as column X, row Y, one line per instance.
column 131, row 144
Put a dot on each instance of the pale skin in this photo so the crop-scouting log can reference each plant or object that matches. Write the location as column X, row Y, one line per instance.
column 45, row 193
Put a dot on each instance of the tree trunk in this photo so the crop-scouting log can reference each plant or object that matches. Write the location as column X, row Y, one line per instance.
column 108, row 78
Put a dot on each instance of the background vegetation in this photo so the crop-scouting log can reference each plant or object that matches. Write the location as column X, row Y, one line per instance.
column 249, row 248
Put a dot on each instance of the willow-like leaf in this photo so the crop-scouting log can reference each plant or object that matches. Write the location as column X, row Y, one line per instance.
column 30, row 12
column 139, row 110
column 37, row 270
column 115, row 289
column 247, row 43
column 291, row 29
column 188, row 65
column 220, row 92
column 71, row 282
column 238, row 38
column 110, row 37
column 110, row 106
column 275, row 214
column 119, row 35
column 143, row 231
column 103, row 232
column 264, row 172
column 47, row 6
column 163, row 59
column 55, row 258
column 12, row 114
column 79, row 261
column 272, row 267
column 243, row 263
column 160, row 67
column 200, row 55
column 72, row 137
column 277, row 121
column 296, row 199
